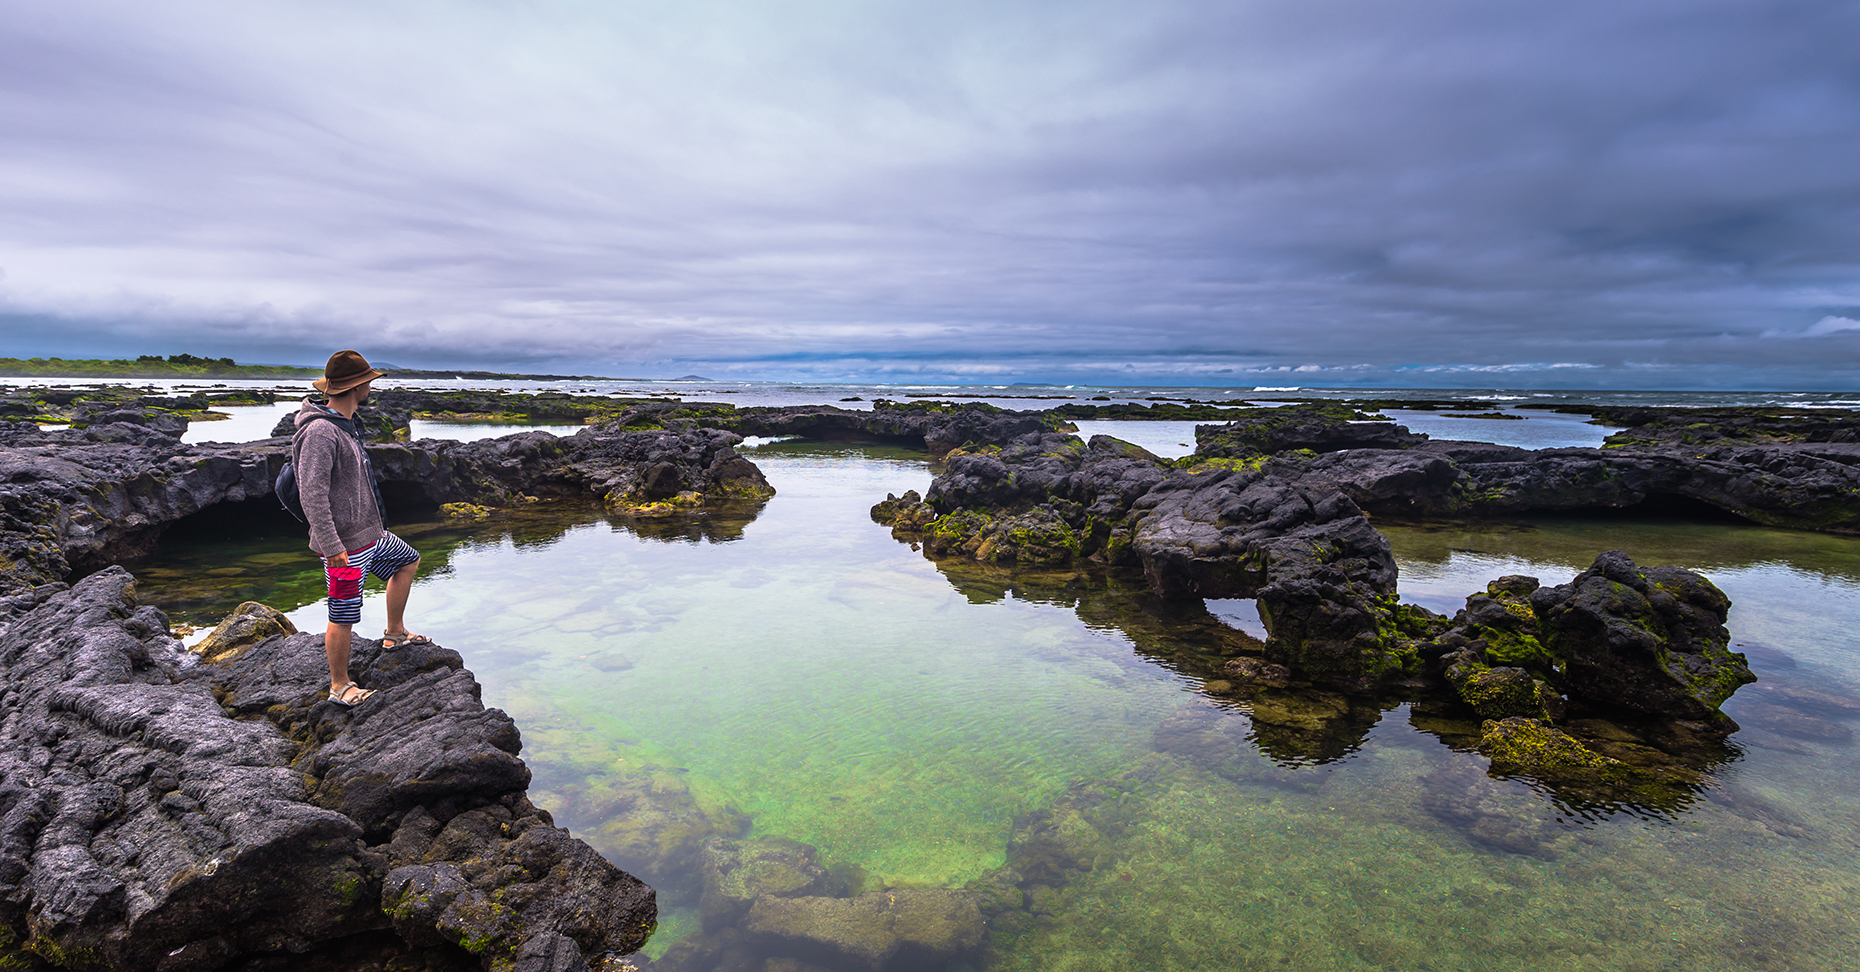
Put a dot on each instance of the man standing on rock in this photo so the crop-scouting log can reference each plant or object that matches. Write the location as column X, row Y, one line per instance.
column 343, row 506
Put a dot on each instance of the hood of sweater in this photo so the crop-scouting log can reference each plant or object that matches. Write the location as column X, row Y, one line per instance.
column 313, row 407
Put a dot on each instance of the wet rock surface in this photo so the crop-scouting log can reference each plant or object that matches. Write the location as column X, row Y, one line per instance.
column 902, row 928
column 157, row 812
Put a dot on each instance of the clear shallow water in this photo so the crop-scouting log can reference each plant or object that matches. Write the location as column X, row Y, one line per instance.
column 248, row 423
column 473, row 431
column 1167, row 440
column 804, row 675
column 1530, row 430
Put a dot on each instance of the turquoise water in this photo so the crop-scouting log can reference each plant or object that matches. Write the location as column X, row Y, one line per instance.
column 803, row 674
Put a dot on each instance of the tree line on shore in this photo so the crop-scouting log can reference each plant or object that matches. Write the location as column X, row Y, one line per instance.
column 147, row 366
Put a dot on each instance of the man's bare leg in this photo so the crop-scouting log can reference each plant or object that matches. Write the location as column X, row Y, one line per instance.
column 398, row 587
column 336, row 646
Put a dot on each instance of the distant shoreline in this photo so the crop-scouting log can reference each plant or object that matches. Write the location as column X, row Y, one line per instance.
column 126, row 368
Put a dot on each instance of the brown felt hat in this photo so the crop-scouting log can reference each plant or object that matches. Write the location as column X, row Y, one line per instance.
column 345, row 370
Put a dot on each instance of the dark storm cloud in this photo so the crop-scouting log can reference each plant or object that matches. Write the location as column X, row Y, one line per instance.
column 1626, row 193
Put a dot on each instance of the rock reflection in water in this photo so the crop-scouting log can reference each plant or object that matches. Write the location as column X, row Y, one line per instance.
column 193, row 582
column 1663, row 767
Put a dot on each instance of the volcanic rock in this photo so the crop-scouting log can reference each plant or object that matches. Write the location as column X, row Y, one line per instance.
column 1653, row 641
column 161, row 813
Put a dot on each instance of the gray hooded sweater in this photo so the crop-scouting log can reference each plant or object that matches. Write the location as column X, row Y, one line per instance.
column 335, row 483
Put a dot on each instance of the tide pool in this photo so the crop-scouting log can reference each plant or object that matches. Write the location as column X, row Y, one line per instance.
column 802, row 674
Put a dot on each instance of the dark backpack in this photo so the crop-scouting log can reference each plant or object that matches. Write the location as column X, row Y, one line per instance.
column 285, row 486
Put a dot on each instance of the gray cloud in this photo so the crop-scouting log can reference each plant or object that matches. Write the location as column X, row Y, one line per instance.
column 1634, row 193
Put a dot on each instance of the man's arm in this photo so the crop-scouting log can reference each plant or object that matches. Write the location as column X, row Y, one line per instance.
column 316, row 461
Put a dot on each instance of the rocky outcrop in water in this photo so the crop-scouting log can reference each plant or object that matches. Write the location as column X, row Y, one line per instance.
column 389, row 413
column 1312, row 428
column 1643, row 426
column 936, row 426
column 1282, row 530
column 1323, row 576
column 637, row 473
column 85, row 406
column 1653, row 641
column 162, row 813
column 75, row 500
column 1802, row 486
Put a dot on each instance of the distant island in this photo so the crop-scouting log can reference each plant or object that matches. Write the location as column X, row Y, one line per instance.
column 194, row 366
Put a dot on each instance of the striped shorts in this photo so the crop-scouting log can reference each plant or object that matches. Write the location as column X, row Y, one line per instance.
column 383, row 558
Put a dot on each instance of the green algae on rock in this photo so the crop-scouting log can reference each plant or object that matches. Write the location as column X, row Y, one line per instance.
column 1653, row 641
column 1518, row 744
column 249, row 624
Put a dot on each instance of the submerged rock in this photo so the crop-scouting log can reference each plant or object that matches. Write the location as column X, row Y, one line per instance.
column 647, row 821
column 1497, row 813
column 1533, row 746
column 1253, row 672
column 900, row 928
column 737, row 874
column 158, row 812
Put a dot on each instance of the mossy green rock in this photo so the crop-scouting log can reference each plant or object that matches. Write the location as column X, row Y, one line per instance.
column 1503, row 619
column 1504, row 692
column 1534, row 747
column 1653, row 641
column 1039, row 536
column 903, row 513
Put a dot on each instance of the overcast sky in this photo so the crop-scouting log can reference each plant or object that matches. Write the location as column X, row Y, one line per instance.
column 1629, row 193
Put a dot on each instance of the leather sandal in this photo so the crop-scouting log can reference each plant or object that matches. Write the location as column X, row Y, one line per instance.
column 350, row 695
column 391, row 641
